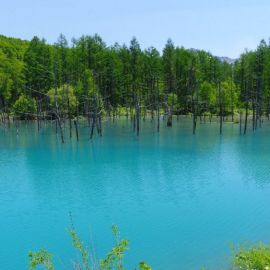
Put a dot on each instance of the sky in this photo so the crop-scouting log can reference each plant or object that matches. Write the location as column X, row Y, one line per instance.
column 222, row 27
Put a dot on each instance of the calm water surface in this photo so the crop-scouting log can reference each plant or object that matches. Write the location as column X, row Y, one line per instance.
column 180, row 199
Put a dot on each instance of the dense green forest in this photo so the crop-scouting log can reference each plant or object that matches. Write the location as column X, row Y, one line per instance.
column 88, row 78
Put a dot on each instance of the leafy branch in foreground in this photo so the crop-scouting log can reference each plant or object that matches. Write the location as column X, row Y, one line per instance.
column 112, row 261
column 144, row 266
column 41, row 257
column 249, row 257
column 78, row 244
column 245, row 257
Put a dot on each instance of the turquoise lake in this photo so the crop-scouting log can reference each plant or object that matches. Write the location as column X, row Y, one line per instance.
column 180, row 199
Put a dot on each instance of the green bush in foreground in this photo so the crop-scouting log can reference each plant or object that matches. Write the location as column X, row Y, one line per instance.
column 245, row 257
column 112, row 261
column 256, row 257
column 41, row 257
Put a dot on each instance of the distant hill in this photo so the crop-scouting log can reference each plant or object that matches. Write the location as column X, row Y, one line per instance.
column 227, row 59
column 221, row 58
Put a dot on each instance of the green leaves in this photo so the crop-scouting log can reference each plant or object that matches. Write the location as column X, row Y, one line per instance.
column 255, row 257
column 25, row 107
column 64, row 95
column 38, row 67
column 113, row 260
column 78, row 244
column 144, row 266
column 40, row 258
column 11, row 68
column 107, row 77
column 208, row 93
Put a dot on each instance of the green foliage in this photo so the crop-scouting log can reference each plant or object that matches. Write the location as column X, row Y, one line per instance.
column 172, row 99
column 38, row 67
column 40, row 258
column 208, row 93
column 255, row 257
column 246, row 257
column 230, row 94
column 144, row 266
column 78, row 244
column 65, row 96
column 25, row 106
column 102, row 77
column 11, row 68
column 113, row 260
column 90, row 86
column 169, row 58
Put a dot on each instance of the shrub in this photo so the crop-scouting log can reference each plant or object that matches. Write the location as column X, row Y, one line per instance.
column 25, row 107
column 112, row 261
column 249, row 257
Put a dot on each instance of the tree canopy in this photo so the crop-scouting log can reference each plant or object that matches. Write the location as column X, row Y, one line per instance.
column 125, row 75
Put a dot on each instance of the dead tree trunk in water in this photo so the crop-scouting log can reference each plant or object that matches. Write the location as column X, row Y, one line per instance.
column 60, row 126
column 144, row 113
column 76, row 128
column 194, row 117
column 16, row 125
column 56, row 112
column 220, row 110
column 93, row 126
column 37, row 111
column 153, row 102
column 246, row 107
column 56, row 130
column 98, row 115
column 169, row 113
column 138, row 115
column 69, row 118
column 158, row 113
column 94, row 119
column 259, row 103
column 246, row 117
column 240, row 123
column 253, row 114
column 169, row 119
column 196, row 108
column 57, row 115
column 99, row 123
column 232, row 95
column 134, row 114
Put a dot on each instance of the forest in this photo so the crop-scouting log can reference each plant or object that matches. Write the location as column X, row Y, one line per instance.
column 86, row 78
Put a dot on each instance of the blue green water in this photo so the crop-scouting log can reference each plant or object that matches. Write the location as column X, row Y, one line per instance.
column 180, row 199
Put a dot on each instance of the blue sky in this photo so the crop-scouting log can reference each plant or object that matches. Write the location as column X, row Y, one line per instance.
column 223, row 27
